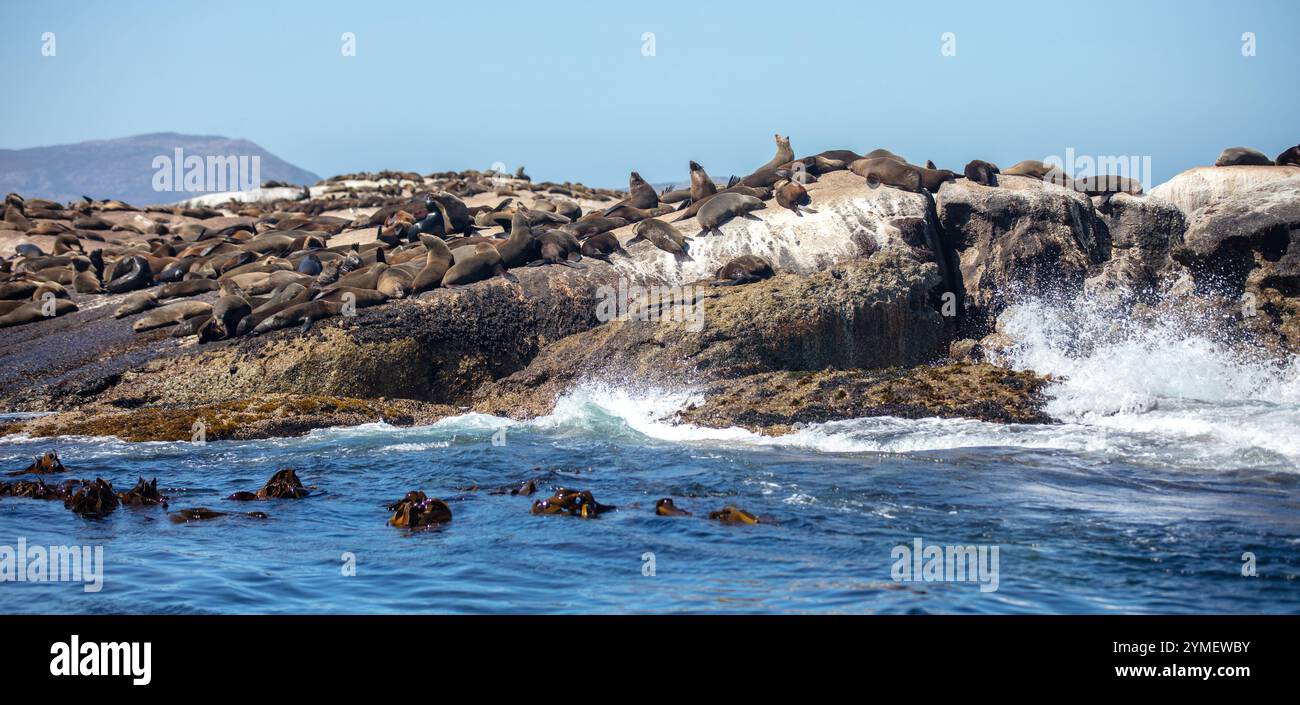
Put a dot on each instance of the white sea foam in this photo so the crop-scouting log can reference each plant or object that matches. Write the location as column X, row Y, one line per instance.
column 1165, row 393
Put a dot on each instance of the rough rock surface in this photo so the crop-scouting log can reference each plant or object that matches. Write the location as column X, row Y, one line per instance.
column 263, row 417
column 774, row 402
column 1204, row 185
column 1024, row 237
column 1248, row 248
column 862, row 314
column 443, row 345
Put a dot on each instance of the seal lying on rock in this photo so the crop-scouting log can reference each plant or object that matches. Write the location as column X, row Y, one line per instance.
column 982, row 172
column 745, row 269
column 417, row 510
column 474, row 264
column 890, row 172
column 792, row 195
column 36, row 311
column 1242, row 156
column 723, row 207
column 571, row 502
column 661, row 235
column 601, row 245
column 1290, row 157
column 47, row 463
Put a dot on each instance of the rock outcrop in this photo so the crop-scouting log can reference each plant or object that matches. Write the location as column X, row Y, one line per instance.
column 861, row 314
column 1022, row 238
column 1204, row 185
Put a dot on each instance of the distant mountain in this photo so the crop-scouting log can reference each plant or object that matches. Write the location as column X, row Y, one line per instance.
column 124, row 168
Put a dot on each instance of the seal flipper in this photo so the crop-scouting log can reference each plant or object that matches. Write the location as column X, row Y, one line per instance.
column 306, row 325
column 569, row 263
column 751, row 216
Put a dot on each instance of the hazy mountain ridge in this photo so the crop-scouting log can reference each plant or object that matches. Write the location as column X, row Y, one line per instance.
column 123, row 168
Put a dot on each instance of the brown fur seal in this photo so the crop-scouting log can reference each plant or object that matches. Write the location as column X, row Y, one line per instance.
column 745, row 269
column 981, row 172
column 793, row 195
column 521, row 247
column 640, row 194
column 171, row 314
column 634, row 215
column 587, row 227
column 1242, row 156
column 701, row 185
column 558, row 247
column 933, row 179
column 1035, row 169
column 784, row 155
column 725, row 206
column 397, row 281
column 1290, row 157
column 661, row 235
column 436, row 263
column 303, row 314
column 143, row 494
column 890, row 172
column 601, row 246
column 224, row 320
column 883, row 153
column 134, row 273
column 35, row 311
column 475, row 264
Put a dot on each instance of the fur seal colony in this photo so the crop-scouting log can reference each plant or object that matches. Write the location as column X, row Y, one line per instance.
column 265, row 267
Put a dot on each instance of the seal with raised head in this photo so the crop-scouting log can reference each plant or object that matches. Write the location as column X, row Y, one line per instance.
column 640, row 195
column 723, row 207
column 744, row 269
column 436, row 263
column 701, row 185
column 521, row 247
column 784, row 155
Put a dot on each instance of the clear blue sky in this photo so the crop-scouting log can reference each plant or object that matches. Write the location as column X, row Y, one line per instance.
column 562, row 87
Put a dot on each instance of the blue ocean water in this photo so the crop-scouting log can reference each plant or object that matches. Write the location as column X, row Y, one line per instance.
column 1165, row 473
